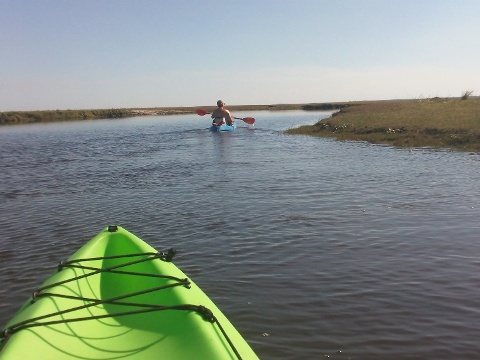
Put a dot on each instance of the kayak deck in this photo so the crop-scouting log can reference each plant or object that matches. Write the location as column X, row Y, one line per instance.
column 117, row 297
column 223, row 128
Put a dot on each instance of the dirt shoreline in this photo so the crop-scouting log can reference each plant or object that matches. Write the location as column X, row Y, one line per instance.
column 233, row 108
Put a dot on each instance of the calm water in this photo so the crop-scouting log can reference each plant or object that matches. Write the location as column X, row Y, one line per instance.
column 312, row 247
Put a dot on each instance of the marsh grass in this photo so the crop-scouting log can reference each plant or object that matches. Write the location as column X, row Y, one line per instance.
column 437, row 122
column 26, row 117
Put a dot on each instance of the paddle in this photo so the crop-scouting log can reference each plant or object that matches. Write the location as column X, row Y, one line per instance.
column 248, row 120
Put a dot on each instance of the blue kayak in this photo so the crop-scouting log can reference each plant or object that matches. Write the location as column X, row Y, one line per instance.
column 223, row 128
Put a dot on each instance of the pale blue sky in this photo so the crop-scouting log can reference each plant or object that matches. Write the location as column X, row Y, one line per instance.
column 150, row 53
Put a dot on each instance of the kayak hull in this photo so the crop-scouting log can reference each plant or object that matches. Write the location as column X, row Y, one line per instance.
column 223, row 128
column 109, row 311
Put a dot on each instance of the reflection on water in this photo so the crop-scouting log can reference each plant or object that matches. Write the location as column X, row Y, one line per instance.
column 312, row 247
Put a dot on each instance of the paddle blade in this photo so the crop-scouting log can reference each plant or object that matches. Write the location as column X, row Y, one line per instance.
column 201, row 112
column 249, row 120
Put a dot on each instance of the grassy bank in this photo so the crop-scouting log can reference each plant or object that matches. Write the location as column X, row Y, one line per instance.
column 28, row 117
column 439, row 123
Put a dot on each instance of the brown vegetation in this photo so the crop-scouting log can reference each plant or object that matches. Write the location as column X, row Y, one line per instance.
column 437, row 122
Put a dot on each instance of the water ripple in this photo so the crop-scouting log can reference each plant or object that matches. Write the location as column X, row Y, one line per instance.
column 314, row 248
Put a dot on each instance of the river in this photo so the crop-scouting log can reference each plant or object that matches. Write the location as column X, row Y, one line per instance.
column 314, row 248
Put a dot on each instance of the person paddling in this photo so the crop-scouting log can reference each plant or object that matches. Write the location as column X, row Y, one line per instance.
column 221, row 115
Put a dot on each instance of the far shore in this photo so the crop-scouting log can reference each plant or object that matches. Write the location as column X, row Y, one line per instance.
column 43, row 116
column 452, row 123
